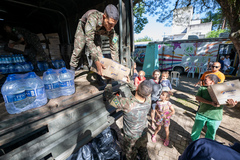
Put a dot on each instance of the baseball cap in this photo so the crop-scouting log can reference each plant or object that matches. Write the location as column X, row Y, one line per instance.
column 112, row 12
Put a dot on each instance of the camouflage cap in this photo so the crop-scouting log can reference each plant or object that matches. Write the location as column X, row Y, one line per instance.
column 145, row 88
column 112, row 12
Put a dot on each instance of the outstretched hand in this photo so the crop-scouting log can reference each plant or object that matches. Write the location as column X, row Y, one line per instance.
column 231, row 102
column 128, row 79
column 100, row 67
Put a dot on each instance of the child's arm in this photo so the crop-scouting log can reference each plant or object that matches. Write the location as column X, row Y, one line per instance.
column 199, row 83
column 169, row 85
column 157, row 110
column 172, row 111
column 200, row 99
column 136, row 81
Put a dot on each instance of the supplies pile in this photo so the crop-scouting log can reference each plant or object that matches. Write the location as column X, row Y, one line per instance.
column 22, row 92
column 58, row 82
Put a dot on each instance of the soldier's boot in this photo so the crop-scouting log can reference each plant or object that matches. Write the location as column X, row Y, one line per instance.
column 101, row 82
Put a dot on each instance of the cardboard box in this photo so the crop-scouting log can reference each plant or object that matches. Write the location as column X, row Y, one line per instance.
column 41, row 36
column 113, row 70
column 53, row 38
column 223, row 91
column 53, row 47
column 19, row 47
column 51, row 35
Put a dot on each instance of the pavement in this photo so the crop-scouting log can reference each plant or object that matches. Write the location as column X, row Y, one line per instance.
column 185, row 106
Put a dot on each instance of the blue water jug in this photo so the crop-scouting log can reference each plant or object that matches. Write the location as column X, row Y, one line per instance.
column 51, row 84
column 66, row 81
column 62, row 63
column 10, row 68
column 40, row 65
column 45, row 66
column 35, row 90
column 27, row 67
column 3, row 68
column 14, row 94
column 18, row 68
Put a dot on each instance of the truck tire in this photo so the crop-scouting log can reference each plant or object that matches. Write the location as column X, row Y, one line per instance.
column 179, row 69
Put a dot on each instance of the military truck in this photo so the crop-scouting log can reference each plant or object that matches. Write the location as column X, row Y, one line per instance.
column 63, row 125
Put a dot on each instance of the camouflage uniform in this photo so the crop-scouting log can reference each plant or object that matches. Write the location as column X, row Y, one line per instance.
column 33, row 45
column 88, row 32
column 134, row 122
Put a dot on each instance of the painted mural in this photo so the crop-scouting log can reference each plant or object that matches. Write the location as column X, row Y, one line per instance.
column 187, row 54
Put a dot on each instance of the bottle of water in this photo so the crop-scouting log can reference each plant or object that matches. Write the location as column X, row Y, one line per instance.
column 14, row 94
column 3, row 69
column 56, row 64
column 10, row 68
column 66, row 79
column 22, row 58
column 51, row 84
column 45, row 66
column 62, row 63
column 35, row 91
column 27, row 67
column 18, row 68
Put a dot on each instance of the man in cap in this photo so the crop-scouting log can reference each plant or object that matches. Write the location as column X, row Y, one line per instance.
column 91, row 26
column 135, row 110
column 33, row 45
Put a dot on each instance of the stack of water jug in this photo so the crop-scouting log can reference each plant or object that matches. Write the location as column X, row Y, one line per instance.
column 16, row 63
column 43, row 66
column 22, row 92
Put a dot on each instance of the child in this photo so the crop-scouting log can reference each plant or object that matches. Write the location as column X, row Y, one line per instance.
column 140, row 78
column 135, row 72
column 166, row 83
column 209, row 112
column 164, row 111
column 156, row 91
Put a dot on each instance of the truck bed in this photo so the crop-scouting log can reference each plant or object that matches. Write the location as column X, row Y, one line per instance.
column 60, row 127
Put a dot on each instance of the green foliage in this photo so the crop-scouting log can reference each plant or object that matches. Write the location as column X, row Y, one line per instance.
column 215, row 34
column 140, row 20
column 217, row 18
column 144, row 39
column 164, row 10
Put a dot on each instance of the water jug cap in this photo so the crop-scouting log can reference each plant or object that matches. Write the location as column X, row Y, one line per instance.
column 64, row 70
column 11, row 77
column 31, row 75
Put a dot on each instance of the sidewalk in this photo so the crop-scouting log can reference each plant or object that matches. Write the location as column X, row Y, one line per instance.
column 185, row 106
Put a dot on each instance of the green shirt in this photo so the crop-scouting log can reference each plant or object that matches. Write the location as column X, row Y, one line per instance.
column 208, row 110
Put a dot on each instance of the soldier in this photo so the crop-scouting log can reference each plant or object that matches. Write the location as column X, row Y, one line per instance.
column 33, row 45
column 135, row 110
column 93, row 24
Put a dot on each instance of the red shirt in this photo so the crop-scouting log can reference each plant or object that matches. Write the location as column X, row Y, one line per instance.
column 137, row 81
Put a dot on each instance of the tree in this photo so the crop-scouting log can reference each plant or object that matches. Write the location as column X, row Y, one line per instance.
column 164, row 11
column 144, row 39
column 216, row 18
column 215, row 34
